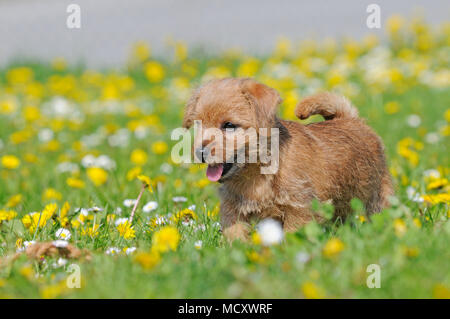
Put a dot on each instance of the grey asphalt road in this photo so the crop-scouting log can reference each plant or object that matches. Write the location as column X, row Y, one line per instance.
column 37, row 28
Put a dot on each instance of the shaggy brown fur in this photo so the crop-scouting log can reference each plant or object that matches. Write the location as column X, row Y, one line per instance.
column 334, row 160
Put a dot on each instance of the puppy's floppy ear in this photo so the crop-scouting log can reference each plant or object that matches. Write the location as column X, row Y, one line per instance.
column 265, row 98
column 189, row 110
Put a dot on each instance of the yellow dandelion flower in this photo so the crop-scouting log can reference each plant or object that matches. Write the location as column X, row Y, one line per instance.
column 333, row 248
column 141, row 51
column 51, row 146
column 97, row 175
column 248, row 67
column 54, row 290
column 256, row 239
column 447, row 115
column 39, row 219
column 154, row 71
column 91, row 231
column 27, row 271
column 59, row 64
column 399, row 227
column 30, row 158
column 437, row 199
column 167, row 238
column 133, row 173
column 184, row 215
column 391, row 107
column 6, row 215
column 10, row 161
column 126, row 230
column 75, row 223
column 213, row 213
column 202, row 183
column 139, row 157
column 148, row 260
column 110, row 217
column 19, row 243
column 75, row 182
column 51, row 194
column 146, row 181
column 159, row 147
column 311, row 291
column 441, row 292
column 395, row 23
column 20, row 75
column 177, row 183
column 13, row 201
column 63, row 218
column 410, row 252
column 255, row 257
column 437, row 183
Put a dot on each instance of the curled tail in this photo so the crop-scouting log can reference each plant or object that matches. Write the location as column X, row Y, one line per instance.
column 329, row 105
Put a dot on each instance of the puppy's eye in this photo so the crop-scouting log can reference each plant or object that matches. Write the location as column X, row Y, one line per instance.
column 228, row 126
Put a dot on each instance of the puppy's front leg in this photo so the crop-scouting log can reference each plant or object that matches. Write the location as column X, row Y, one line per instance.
column 237, row 231
column 295, row 218
column 234, row 228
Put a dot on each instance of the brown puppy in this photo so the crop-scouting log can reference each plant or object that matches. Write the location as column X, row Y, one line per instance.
column 335, row 160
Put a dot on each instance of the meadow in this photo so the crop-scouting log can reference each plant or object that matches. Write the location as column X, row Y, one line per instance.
column 77, row 147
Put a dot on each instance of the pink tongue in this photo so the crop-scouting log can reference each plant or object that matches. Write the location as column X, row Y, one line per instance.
column 214, row 172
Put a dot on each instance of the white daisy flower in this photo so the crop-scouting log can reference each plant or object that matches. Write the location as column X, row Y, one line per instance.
column 150, row 206
column 434, row 173
column 120, row 139
column 270, row 232
column 61, row 262
column 140, row 132
column 95, row 209
column 129, row 202
column 198, row 244
column 166, row 168
column 414, row 120
column 63, row 234
column 192, row 207
column 302, row 257
column 179, row 199
column 45, row 135
column 105, row 162
column 61, row 106
column 130, row 250
column 413, row 195
column 60, row 243
column 88, row 160
column 432, row 138
column 67, row 167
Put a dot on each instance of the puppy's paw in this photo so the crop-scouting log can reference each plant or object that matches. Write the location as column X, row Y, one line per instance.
column 238, row 231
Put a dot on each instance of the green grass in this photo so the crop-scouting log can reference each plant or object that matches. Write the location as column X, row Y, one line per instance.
column 409, row 241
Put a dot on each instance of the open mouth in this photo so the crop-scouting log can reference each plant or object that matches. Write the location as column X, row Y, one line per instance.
column 216, row 171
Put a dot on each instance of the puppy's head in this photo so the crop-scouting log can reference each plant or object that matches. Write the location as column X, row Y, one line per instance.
column 230, row 111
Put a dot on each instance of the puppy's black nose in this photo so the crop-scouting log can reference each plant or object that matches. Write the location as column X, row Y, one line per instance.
column 200, row 153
